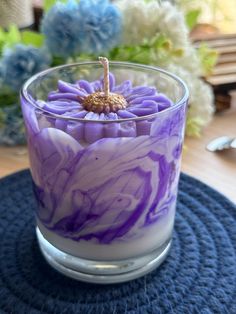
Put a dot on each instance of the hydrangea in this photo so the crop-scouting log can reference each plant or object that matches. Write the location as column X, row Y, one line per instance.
column 61, row 27
column 100, row 23
column 21, row 62
column 138, row 20
column 201, row 102
column 12, row 131
column 189, row 61
column 90, row 26
column 142, row 19
column 171, row 22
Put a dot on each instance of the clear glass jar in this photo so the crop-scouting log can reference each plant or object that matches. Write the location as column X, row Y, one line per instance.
column 106, row 190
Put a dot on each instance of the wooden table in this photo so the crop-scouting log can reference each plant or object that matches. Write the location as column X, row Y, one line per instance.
column 215, row 169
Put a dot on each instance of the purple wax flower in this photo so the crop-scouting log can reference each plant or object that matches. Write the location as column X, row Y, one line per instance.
column 140, row 100
column 68, row 101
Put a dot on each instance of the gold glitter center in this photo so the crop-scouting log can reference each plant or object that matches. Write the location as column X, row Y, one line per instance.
column 99, row 103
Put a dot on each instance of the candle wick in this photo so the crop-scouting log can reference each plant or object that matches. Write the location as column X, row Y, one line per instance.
column 105, row 63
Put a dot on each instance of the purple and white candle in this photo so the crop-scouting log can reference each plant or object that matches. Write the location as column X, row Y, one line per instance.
column 105, row 161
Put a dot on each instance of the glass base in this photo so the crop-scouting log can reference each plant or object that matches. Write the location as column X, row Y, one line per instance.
column 101, row 272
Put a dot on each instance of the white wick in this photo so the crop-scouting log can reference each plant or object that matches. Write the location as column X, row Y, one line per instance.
column 105, row 63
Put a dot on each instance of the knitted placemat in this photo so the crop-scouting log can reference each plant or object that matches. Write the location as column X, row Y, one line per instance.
column 199, row 275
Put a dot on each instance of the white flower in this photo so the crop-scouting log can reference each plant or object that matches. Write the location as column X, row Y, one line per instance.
column 143, row 19
column 171, row 23
column 138, row 20
column 201, row 100
column 190, row 61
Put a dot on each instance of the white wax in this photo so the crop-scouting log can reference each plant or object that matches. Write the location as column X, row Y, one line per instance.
column 151, row 237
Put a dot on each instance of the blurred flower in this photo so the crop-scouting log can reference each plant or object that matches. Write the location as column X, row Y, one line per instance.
column 170, row 22
column 139, row 18
column 12, row 128
column 90, row 26
column 100, row 25
column 61, row 27
column 201, row 102
column 20, row 63
column 190, row 61
column 144, row 19
column 2, row 119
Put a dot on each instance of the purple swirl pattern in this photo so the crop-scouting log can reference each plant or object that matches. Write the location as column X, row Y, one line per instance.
column 98, row 192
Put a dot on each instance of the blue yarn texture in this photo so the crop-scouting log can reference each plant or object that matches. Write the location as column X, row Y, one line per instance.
column 198, row 276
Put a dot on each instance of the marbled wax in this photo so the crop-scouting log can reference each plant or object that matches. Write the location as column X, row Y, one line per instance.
column 106, row 183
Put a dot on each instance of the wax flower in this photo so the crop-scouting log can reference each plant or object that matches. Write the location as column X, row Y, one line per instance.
column 87, row 100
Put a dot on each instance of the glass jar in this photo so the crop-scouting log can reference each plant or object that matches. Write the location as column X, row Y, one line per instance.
column 106, row 190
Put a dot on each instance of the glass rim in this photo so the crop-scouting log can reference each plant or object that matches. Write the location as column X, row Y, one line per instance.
column 25, row 95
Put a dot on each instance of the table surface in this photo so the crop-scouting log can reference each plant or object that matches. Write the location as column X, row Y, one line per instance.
column 216, row 169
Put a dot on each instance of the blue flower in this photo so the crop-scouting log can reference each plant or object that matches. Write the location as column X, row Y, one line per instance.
column 90, row 26
column 100, row 26
column 12, row 128
column 21, row 62
column 61, row 26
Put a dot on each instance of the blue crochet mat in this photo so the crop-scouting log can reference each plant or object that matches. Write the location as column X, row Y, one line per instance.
column 199, row 275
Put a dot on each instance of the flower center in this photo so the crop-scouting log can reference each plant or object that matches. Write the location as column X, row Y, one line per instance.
column 99, row 103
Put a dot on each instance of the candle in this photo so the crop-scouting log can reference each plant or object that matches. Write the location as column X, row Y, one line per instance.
column 105, row 159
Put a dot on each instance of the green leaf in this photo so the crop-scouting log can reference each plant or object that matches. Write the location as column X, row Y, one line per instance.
column 47, row 4
column 178, row 52
column 157, row 51
column 160, row 41
column 57, row 61
column 9, row 38
column 208, row 58
column 194, row 126
column 32, row 38
column 8, row 97
column 2, row 118
column 191, row 18
column 2, row 39
column 13, row 35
